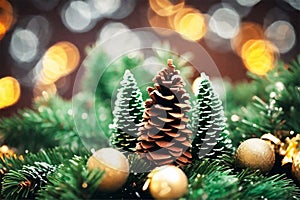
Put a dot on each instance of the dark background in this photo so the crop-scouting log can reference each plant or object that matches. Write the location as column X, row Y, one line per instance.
column 229, row 64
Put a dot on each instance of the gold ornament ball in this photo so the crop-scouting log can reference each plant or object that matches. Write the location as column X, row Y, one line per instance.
column 167, row 182
column 115, row 165
column 255, row 153
column 296, row 166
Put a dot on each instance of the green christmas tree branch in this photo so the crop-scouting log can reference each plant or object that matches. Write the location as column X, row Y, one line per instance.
column 72, row 180
column 275, row 106
column 46, row 125
column 24, row 176
column 24, row 183
column 213, row 180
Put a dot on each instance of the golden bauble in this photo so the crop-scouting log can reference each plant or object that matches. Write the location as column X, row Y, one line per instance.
column 167, row 182
column 296, row 166
column 115, row 165
column 255, row 153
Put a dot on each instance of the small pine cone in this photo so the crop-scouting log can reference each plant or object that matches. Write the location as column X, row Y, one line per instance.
column 164, row 137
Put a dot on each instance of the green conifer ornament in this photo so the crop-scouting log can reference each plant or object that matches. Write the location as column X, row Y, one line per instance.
column 128, row 112
column 164, row 137
column 208, row 122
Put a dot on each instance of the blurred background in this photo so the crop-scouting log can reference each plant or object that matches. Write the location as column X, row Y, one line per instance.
column 44, row 42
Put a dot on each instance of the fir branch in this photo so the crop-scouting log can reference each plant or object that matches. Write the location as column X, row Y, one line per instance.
column 72, row 180
column 53, row 156
column 276, row 106
column 24, row 183
column 255, row 120
column 211, row 180
column 32, row 169
column 254, row 185
column 47, row 125
column 214, row 180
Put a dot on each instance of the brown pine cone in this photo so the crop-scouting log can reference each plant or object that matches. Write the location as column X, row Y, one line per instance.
column 164, row 137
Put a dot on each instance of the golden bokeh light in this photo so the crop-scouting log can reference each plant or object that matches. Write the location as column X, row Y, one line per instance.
column 189, row 22
column 175, row 19
column 248, row 31
column 158, row 21
column 2, row 30
column 166, row 7
column 41, row 89
column 259, row 56
column 191, row 25
column 196, row 84
column 59, row 60
column 9, row 91
column 6, row 17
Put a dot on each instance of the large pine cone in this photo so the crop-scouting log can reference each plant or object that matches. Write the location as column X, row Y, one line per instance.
column 164, row 137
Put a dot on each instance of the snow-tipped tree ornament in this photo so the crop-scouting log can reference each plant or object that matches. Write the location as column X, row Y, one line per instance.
column 164, row 137
column 128, row 112
column 208, row 122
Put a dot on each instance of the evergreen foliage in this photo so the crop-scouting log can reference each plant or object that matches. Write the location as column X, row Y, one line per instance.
column 208, row 122
column 274, row 106
column 24, row 183
column 213, row 180
column 72, row 180
column 24, row 176
column 128, row 112
column 61, row 172
column 46, row 125
column 254, row 185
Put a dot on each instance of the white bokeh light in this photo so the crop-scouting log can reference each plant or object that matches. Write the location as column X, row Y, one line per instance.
column 241, row 10
column 77, row 16
column 248, row 3
column 225, row 22
column 125, row 9
column 282, row 34
column 110, row 29
column 294, row 3
column 106, row 7
column 23, row 45
column 95, row 13
column 115, row 43
column 41, row 27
